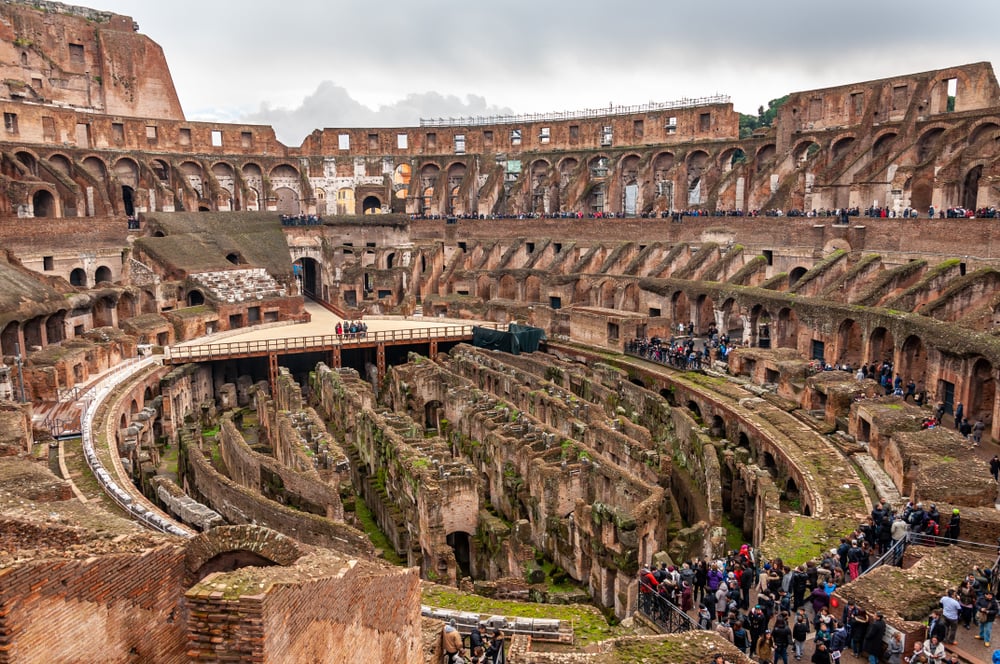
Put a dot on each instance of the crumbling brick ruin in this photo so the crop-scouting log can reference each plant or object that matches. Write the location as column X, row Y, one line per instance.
column 857, row 228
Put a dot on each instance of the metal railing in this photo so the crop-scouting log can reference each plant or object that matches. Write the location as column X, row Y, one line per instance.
column 662, row 612
column 555, row 116
column 317, row 342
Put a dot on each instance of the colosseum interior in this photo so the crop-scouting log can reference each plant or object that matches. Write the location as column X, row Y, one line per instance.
column 174, row 493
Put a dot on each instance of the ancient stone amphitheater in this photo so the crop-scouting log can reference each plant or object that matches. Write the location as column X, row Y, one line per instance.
column 171, row 496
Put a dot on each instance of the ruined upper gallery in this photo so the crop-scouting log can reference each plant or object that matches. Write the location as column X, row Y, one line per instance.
column 79, row 58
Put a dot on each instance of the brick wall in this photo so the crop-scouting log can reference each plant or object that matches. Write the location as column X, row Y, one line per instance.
column 123, row 607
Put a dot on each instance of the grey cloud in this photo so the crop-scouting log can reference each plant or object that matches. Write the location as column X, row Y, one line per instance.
column 331, row 105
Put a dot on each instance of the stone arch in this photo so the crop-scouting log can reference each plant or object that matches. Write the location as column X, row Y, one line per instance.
column 787, row 327
column 921, row 194
column 662, row 163
column 161, row 170
column 730, row 157
column 484, row 287
column 508, row 287
column 805, row 149
column 985, row 129
column 96, row 168
column 533, row 289
column 694, row 408
column 880, row 345
column 287, row 200
column 311, row 273
column 9, row 337
column 680, row 307
column 606, row 293
column 371, row 205
column 797, row 273
column 718, row 427
column 44, row 203
column 841, row 146
column 61, row 163
column 102, row 274
column 765, row 153
column 55, row 327
column 849, row 344
column 127, row 172
column 760, row 326
column 697, row 163
column 912, row 359
column 928, row 143
column 28, row 160
column 970, row 187
column 222, row 169
column 669, row 396
column 704, row 312
column 731, row 319
column 195, row 297
column 216, row 549
column 78, row 277
column 629, row 168
column 126, row 306
column 982, row 391
column 252, row 169
column 630, row 298
column 104, row 309
column 882, row 144
column 283, row 170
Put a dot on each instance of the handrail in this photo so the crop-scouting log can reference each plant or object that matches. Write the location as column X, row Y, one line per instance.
column 315, row 342
column 662, row 612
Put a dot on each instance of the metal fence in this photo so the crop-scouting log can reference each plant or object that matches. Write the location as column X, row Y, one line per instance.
column 662, row 612
column 317, row 342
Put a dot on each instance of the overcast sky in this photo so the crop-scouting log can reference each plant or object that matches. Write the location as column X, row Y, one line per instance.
column 307, row 64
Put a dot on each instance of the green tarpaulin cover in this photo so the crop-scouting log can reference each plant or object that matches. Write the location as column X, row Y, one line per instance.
column 516, row 340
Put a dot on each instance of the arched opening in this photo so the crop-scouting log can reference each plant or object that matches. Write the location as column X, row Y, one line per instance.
column 8, row 338
column 769, row 463
column 195, row 298
column 508, row 287
column 743, row 441
column 669, row 396
column 881, row 345
column 533, row 289
column 912, row 359
column 287, row 200
column 32, row 334
column 883, row 144
column 308, row 269
column 43, row 203
column 607, row 294
column 461, row 543
column 229, row 561
column 390, row 260
column 766, row 153
column 985, row 130
column 104, row 312
column 128, row 200
column 235, row 258
column 786, row 334
column 637, row 381
column 982, row 391
column 484, row 287
column 732, row 321
column 680, row 308
column 28, row 161
column 102, row 275
column 718, row 429
column 797, row 273
column 630, row 298
column 928, row 142
column 849, row 344
column 704, row 311
column 695, row 410
column 842, row 146
column 55, row 327
column 371, row 205
column 78, row 278
column 970, row 188
column 126, row 306
column 805, row 151
column 697, row 164
column 432, row 413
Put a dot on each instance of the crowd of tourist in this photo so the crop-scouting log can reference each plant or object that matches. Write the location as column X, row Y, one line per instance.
column 768, row 609
column 843, row 214
column 682, row 352
column 481, row 649
column 301, row 220
column 351, row 329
